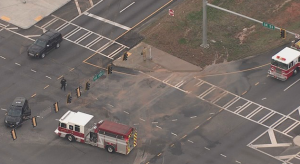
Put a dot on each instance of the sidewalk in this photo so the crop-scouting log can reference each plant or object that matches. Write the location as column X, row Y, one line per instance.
column 26, row 13
column 160, row 61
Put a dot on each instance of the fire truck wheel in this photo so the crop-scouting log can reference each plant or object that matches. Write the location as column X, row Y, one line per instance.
column 295, row 71
column 70, row 138
column 110, row 149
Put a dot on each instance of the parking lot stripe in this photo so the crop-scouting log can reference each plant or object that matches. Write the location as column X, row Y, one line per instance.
column 2, row 57
column 46, row 86
column 18, row 64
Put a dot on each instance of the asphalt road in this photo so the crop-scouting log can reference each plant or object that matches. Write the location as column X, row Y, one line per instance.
column 177, row 122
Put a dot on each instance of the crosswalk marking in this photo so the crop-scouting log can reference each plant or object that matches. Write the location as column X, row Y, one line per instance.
column 119, row 48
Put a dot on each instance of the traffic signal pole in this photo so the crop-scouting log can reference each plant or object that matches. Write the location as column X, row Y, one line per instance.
column 205, row 4
column 204, row 26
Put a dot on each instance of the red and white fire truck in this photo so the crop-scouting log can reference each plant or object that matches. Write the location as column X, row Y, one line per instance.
column 112, row 136
column 285, row 64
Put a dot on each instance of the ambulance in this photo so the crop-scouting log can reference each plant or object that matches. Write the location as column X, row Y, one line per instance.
column 109, row 135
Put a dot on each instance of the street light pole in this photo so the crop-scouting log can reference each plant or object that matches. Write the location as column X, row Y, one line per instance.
column 204, row 27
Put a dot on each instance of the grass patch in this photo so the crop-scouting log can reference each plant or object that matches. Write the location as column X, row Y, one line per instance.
column 182, row 41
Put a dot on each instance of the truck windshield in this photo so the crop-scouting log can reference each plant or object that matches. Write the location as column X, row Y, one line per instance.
column 41, row 43
column 279, row 64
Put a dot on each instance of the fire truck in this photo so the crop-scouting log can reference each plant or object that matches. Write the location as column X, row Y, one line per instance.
column 285, row 64
column 112, row 136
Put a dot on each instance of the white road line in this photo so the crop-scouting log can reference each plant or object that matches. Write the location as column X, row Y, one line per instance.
column 78, row 7
column 91, row 2
column 291, row 85
column 48, row 77
column 110, row 105
column 2, row 57
column 18, row 64
column 32, row 36
column 136, row 124
column 154, row 122
column 174, row 120
column 174, row 134
column 33, row 70
column 180, row 84
column 223, row 155
column 13, row 28
column 272, row 136
column 86, row 10
column 190, row 141
column 107, row 21
column 125, row 112
column 127, row 7
column 193, row 117
column 49, row 23
column 158, row 127
column 206, row 148
column 142, row 119
column 263, row 98
column 237, row 161
column 18, row 34
column 3, row 109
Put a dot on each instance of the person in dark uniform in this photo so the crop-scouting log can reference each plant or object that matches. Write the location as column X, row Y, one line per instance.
column 63, row 83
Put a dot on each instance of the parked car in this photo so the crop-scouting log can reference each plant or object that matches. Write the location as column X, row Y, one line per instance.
column 17, row 112
column 45, row 43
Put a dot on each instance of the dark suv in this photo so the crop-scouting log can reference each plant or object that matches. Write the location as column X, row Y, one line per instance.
column 17, row 112
column 45, row 43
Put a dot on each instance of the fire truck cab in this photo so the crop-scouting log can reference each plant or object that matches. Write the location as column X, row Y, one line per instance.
column 285, row 64
column 112, row 136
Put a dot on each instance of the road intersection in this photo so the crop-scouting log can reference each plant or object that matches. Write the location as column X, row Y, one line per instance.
column 181, row 117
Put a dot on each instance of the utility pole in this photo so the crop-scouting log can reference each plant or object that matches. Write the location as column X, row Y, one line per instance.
column 204, row 26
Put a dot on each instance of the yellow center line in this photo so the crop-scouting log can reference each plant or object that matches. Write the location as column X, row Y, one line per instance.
column 257, row 83
column 209, row 118
column 33, row 95
column 220, row 74
column 60, row 77
column 72, row 69
column 46, row 86
column 183, row 137
column 158, row 154
column 132, row 27
column 144, row 19
column 244, row 93
column 197, row 127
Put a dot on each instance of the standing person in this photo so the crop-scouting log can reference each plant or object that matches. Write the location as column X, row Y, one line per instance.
column 144, row 53
column 63, row 83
